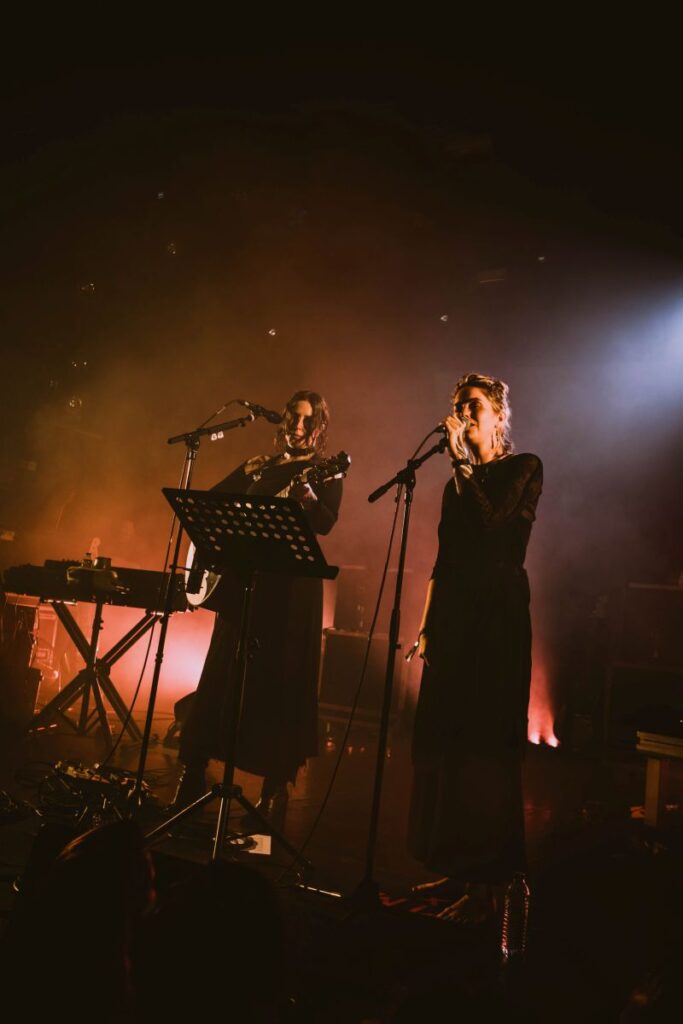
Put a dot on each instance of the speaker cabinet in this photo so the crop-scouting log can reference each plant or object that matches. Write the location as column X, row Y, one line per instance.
column 342, row 664
column 649, row 632
column 643, row 698
column 18, row 681
column 645, row 669
column 353, row 601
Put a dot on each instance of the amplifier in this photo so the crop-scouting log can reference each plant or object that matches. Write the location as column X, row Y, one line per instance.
column 649, row 626
column 640, row 698
column 353, row 602
column 18, row 681
column 342, row 664
column 645, row 666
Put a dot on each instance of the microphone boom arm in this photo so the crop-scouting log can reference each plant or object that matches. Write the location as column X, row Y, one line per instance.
column 194, row 435
column 407, row 475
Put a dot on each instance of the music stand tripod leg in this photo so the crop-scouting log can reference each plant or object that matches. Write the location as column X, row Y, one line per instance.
column 196, row 805
column 268, row 830
column 226, row 791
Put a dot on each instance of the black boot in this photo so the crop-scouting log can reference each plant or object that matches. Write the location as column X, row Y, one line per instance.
column 272, row 804
column 191, row 785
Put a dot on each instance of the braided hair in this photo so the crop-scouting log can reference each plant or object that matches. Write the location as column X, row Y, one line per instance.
column 498, row 393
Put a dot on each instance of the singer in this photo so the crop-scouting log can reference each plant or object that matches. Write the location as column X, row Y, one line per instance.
column 466, row 815
column 279, row 722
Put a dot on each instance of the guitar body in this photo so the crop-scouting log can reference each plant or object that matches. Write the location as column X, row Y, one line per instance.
column 207, row 583
column 201, row 584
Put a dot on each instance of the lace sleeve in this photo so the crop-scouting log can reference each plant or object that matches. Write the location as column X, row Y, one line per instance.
column 519, row 498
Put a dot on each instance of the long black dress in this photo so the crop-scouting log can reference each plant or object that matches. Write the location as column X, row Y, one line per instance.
column 278, row 727
column 466, row 815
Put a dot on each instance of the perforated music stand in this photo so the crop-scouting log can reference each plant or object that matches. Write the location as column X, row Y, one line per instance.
column 245, row 534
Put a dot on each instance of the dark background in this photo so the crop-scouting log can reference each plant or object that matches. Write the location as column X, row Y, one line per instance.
column 368, row 217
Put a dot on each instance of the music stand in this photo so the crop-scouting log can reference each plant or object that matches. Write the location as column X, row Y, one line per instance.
column 244, row 534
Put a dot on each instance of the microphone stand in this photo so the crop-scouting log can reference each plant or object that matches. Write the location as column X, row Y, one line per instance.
column 191, row 440
column 366, row 895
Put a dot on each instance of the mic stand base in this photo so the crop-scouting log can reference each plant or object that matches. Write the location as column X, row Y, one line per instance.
column 364, row 899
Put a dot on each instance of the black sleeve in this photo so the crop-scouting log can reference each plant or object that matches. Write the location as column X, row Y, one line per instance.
column 518, row 499
column 449, row 492
column 236, row 482
column 323, row 513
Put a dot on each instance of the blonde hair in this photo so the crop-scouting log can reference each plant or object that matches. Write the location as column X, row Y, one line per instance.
column 498, row 394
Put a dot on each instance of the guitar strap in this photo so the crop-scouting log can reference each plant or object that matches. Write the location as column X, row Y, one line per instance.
column 302, row 452
column 256, row 467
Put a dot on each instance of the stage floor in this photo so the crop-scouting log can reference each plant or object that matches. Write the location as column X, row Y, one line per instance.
column 606, row 889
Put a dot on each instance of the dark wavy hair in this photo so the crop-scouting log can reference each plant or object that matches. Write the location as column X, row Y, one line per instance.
column 319, row 420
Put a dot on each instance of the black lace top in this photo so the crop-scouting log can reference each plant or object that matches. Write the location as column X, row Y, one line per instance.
column 489, row 523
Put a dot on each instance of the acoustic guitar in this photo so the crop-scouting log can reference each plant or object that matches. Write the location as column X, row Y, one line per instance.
column 200, row 584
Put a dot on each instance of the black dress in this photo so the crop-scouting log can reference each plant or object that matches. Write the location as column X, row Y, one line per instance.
column 279, row 725
column 466, row 815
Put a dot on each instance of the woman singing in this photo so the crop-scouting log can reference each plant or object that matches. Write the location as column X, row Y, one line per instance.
column 466, row 816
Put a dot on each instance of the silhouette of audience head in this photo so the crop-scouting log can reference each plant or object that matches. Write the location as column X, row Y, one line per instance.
column 217, row 943
column 75, row 930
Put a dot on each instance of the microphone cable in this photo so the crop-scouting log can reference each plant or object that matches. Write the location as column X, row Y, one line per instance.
column 359, row 688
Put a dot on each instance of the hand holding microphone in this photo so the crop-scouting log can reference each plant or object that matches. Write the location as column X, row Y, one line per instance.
column 455, row 429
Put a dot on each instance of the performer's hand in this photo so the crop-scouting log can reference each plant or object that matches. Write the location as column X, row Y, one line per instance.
column 457, row 429
column 303, row 493
column 422, row 645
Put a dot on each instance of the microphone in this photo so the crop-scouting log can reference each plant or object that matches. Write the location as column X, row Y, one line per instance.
column 443, row 429
column 258, row 410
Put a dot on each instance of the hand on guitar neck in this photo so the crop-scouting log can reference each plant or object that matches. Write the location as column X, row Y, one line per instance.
column 200, row 583
column 303, row 492
column 301, row 486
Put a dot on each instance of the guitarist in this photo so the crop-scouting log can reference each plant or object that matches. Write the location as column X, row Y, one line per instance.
column 279, row 721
